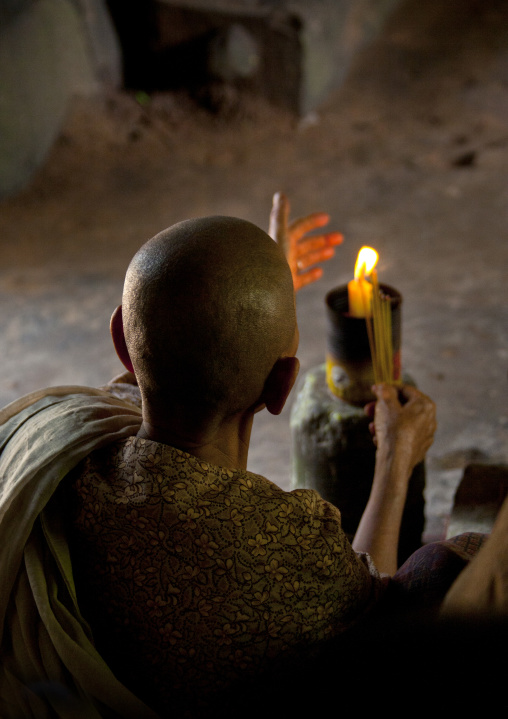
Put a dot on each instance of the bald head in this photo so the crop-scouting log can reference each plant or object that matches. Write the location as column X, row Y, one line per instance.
column 208, row 308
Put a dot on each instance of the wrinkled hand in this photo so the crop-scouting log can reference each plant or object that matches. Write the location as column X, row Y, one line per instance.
column 404, row 420
column 301, row 252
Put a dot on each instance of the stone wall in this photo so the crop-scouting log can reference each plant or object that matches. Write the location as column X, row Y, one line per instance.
column 300, row 50
column 50, row 50
column 294, row 52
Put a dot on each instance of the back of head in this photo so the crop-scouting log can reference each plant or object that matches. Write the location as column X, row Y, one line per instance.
column 208, row 308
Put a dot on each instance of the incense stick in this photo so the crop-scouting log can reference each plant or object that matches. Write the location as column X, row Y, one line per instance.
column 379, row 330
column 370, row 332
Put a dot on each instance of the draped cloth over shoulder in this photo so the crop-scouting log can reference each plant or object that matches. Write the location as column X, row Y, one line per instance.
column 49, row 666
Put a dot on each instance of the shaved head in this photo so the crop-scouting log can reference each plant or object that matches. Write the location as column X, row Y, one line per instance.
column 208, row 308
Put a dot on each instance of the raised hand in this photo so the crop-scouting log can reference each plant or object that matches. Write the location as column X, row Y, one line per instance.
column 302, row 252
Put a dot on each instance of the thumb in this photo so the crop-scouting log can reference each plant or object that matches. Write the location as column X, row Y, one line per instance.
column 279, row 217
column 386, row 392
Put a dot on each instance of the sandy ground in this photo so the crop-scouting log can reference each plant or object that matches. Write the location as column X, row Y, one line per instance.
column 409, row 156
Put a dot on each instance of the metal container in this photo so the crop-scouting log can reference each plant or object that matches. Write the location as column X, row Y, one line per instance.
column 349, row 370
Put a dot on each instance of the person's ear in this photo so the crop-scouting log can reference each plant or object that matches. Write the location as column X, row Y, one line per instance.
column 117, row 334
column 279, row 383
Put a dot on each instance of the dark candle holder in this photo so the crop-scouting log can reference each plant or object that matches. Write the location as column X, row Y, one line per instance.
column 349, row 369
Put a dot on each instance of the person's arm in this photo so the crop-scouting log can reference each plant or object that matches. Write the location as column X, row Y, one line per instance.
column 403, row 433
column 481, row 589
column 302, row 252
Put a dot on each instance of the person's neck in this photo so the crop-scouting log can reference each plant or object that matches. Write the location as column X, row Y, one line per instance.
column 225, row 445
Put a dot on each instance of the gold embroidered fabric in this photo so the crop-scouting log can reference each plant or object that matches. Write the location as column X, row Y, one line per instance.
column 192, row 574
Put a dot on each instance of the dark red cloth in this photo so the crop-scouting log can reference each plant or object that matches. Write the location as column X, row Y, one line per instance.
column 423, row 580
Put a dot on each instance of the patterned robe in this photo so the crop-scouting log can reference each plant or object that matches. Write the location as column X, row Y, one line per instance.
column 193, row 575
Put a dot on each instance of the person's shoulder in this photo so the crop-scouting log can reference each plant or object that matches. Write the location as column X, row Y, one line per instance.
column 308, row 499
column 259, row 483
column 103, row 465
column 124, row 391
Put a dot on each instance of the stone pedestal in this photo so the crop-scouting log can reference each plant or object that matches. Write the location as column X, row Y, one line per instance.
column 333, row 453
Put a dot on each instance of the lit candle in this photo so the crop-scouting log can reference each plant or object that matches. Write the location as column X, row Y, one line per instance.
column 360, row 289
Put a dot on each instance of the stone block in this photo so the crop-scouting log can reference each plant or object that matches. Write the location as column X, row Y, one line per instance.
column 293, row 52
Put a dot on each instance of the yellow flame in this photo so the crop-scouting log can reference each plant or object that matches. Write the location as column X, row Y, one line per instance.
column 365, row 262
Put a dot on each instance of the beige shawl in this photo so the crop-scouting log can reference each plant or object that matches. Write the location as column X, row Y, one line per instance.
column 49, row 666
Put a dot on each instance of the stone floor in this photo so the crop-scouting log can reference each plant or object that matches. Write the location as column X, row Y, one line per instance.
column 410, row 156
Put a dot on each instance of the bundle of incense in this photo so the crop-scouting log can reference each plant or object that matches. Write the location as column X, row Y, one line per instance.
column 379, row 330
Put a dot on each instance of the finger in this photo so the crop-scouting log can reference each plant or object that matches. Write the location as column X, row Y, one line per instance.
column 332, row 239
column 419, row 401
column 312, row 258
column 279, row 217
column 386, row 392
column 382, row 390
column 312, row 243
column 276, row 216
column 300, row 227
column 307, row 278
column 408, row 392
column 370, row 409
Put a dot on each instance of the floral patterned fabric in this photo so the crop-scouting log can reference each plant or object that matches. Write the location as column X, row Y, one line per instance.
column 191, row 574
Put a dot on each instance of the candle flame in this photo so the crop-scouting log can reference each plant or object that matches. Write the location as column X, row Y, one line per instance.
column 365, row 262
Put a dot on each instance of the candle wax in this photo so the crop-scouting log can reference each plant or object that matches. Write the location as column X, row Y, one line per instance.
column 360, row 297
